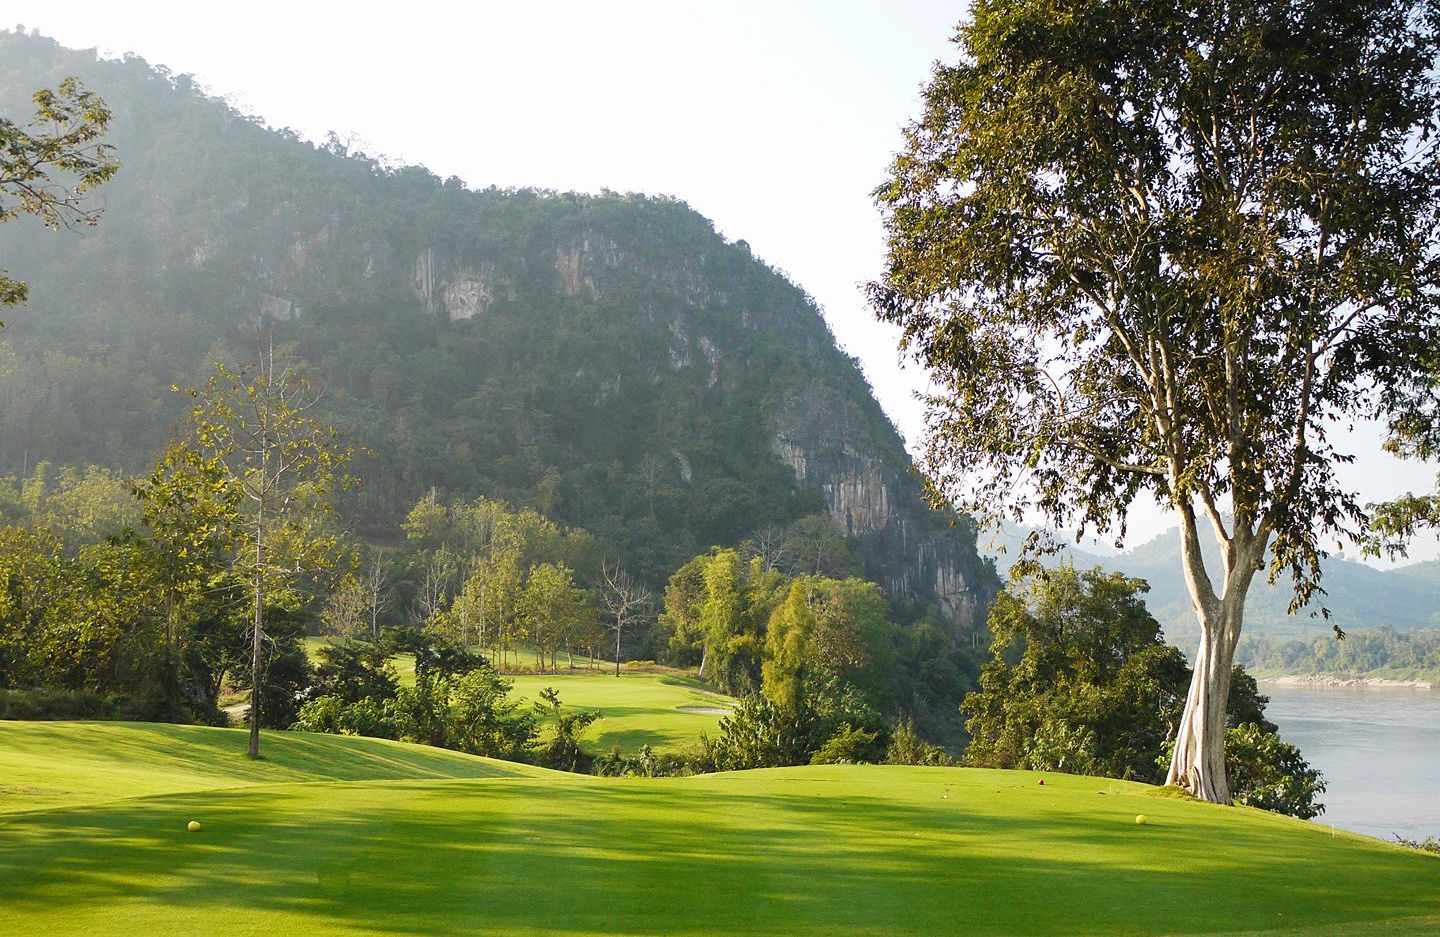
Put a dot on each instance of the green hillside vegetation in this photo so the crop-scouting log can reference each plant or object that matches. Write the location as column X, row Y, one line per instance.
column 402, row 839
column 609, row 360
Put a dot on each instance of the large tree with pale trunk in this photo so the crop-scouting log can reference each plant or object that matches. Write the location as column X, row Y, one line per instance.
column 1164, row 249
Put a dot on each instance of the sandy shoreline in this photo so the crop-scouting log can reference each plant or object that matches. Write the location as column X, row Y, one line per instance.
column 1331, row 680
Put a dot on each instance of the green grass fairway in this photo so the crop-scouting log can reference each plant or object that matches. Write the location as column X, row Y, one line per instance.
column 635, row 708
column 47, row 764
column 405, row 840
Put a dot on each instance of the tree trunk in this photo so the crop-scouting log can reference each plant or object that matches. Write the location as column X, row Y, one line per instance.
column 1198, row 765
column 704, row 656
column 254, row 750
column 617, row 648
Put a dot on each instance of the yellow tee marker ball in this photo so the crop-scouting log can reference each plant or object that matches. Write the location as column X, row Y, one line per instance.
column 1141, row 820
column 193, row 826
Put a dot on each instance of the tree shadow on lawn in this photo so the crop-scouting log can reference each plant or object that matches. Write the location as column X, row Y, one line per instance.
column 199, row 752
column 629, row 741
column 677, row 857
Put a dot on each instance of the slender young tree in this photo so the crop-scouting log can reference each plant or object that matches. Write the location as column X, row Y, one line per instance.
column 1163, row 248
column 377, row 599
column 624, row 601
column 346, row 612
column 260, row 423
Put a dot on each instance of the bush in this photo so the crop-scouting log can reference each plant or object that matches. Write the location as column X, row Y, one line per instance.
column 332, row 715
column 908, row 748
column 849, row 745
column 353, row 671
column 45, row 703
column 759, row 734
column 1268, row 773
column 483, row 719
column 563, row 752
column 646, row 764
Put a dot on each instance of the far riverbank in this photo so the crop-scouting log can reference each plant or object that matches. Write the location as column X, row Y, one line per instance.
column 1336, row 680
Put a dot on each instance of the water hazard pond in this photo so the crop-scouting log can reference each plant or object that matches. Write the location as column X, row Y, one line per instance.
column 1378, row 748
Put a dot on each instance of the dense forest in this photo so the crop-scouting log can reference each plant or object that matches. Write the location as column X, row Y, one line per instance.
column 608, row 360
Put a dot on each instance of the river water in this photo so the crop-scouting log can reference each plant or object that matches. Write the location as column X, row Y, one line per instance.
column 1379, row 750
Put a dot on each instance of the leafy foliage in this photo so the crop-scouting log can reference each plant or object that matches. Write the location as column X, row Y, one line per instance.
column 1080, row 682
column 1161, row 248
column 1270, row 774
column 62, row 139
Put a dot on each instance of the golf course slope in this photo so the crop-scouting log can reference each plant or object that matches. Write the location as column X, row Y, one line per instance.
column 355, row 836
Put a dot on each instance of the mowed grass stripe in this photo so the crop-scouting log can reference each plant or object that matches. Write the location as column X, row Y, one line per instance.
column 50, row 764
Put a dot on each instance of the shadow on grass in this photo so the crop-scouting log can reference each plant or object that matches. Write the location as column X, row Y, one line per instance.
column 718, row 855
column 205, row 751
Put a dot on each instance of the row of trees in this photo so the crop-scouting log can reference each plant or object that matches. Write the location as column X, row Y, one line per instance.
column 749, row 627
column 1364, row 651
column 516, row 575
column 825, row 672
column 207, row 553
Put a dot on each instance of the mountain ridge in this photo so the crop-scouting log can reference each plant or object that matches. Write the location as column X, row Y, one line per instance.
column 609, row 359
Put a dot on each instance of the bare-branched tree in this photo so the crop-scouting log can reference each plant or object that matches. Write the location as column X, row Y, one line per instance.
column 625, row 602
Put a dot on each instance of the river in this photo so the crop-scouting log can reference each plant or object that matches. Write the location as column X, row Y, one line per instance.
column 1379, row 750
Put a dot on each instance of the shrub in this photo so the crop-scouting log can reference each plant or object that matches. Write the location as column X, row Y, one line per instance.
column 908, row 748
column 47, row 703
column 849, row 745
column 1268, row 773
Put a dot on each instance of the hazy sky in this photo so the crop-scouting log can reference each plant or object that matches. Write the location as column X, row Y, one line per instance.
column 774, row 119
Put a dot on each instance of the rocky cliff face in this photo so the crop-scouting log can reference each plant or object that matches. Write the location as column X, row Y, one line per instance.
column 907, row 547
column 660, row 384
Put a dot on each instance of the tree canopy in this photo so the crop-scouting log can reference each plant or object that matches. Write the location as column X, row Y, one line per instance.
column 1164, row 249
column 1080, row 681
column 48, row 165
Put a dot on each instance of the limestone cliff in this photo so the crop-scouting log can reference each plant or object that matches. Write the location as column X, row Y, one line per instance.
column 907, row 547
column 611, row 358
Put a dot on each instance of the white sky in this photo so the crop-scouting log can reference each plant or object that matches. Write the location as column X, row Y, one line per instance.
column 774, row 119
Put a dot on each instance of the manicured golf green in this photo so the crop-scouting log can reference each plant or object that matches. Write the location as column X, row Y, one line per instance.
column 666, row 711
column 663, row 711
column 423, row 848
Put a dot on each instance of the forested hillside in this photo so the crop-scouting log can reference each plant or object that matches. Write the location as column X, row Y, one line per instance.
column 609, row 360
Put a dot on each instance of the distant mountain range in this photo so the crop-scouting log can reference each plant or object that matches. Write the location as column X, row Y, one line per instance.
column 1357, row 595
